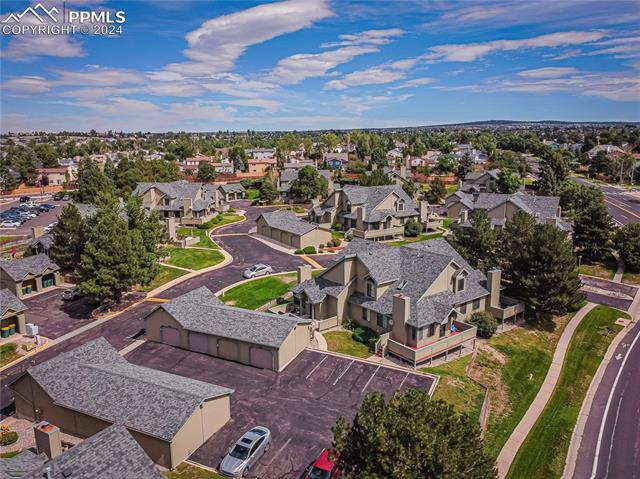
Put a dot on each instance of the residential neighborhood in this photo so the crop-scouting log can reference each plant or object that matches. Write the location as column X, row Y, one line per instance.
column 321, row 239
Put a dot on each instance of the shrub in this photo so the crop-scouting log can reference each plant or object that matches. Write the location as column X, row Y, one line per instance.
column 412, row 228
column 321, row 245
column 299, row 251
column 7, row 350
column 347, row 323
column 7, row 438
column 231, row 210
column 336, row 227
column 485, row 323
column 365, row 335
column 337, row 242
column 309, row 250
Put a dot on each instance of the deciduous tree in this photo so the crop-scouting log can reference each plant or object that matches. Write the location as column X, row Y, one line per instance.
column 309, row 184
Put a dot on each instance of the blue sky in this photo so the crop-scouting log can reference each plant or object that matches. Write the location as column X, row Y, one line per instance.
column 305, row 64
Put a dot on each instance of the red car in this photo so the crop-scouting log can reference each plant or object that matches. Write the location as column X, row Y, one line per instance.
column 324, row 467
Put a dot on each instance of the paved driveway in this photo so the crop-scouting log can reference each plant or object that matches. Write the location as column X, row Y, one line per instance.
column 55, row 317
column 299, row 405
column 602, row 291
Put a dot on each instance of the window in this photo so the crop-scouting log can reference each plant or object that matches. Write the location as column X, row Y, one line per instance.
column 432, row 329
column 366, row 315
column 476, row 304
column 400, row 206
column 383, row 320
column 463, row 308
column 371, row 288
column 460, row 284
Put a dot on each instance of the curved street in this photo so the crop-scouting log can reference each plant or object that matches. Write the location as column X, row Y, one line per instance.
column 56, row 319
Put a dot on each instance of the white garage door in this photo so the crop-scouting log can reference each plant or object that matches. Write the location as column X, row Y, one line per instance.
column 199, row 342
column 170, row 336
column 261, row 358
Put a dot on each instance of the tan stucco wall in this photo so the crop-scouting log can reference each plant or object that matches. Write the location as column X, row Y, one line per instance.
column 296, row 342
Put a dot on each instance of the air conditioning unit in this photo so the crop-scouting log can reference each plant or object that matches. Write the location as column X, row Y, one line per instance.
column 32, row 329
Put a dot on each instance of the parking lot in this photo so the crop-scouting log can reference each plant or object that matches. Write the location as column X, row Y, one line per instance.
column 299, row 405
column 43, row 219
column 55, row 317
column 602, row 291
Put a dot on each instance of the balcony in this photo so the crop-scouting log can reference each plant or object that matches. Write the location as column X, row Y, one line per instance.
column 380, row 232
column 507, row 309
column 465, row 332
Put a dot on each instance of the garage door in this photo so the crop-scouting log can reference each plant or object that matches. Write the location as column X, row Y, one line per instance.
column 262, row 358
column 228, row 350
column 170, row 336
column 199, row 342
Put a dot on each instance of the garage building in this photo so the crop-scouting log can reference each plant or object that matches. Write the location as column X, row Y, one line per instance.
column 199, row 321
column 86, row 390
column 12, row 312
column 29, row 275
column 287, row 228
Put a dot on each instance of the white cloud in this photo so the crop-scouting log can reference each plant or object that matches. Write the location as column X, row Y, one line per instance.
column 370, row 76
column 360, row 104
column 549, row 72
column 368, row 37
column 301, row 66
column 218, row 43
column 413, row 83
column 473, row 51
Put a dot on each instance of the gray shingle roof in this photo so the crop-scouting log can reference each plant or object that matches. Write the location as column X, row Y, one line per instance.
column 232, row 188
column 112, row 453
column 318, row 288
column 46, row 241
column 476, row 175
column 370, row 198
column 21, row 464
column 174, row 189
column 200, row 311
column 10, row 302
column 96, row 380
column 288, row 221
column 36, row 265
column 412, row 269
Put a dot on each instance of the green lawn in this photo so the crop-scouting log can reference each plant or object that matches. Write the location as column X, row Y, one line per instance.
column 421, row 237
column 629, row 277
column 187, row 471
column 227, row 218
column 342, row 342
column 606, row 269
column 6, row 455
column 165, row 275
column 255, row 293
column 252, row 194
column 193, row 258
column 337, row 234
column 543, row 453
column 448, row 222
column 457, row 388
column 8, row 353
column 204, row 242
column 451, row 189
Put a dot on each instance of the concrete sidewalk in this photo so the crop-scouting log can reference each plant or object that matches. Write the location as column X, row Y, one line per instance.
column 519, row 434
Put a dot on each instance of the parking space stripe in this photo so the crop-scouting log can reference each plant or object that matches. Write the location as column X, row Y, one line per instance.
column 374, row 373
column 342, row 373
column 405, row 378
column 317, row 366
column 278, row 452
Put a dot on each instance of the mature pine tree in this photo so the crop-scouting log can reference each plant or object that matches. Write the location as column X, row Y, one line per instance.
column 407, row 437
column 543, row 272
column 627, row 242
column 108, row 265
column 268, row 190
column 514, row 239
column 477, row 243
column 547, row 184
column 146, row 232
column 465, row 166
column 592, row 225
column 68, row 238
column 92, row 182
column 437, row 191
column 410, row 187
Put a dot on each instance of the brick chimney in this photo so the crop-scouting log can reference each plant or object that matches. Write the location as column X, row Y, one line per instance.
column 186, row 205
column 304, row 273
column 360, row 217
column 493, row 282
column 424, row 211
column 401, row 311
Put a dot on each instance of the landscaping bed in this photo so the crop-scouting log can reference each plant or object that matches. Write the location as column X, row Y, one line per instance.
column 632, row 278
column 203, row 237
column 194, row 259
column 543, row 453
column 420, row 237
column 257, row 292
column 188, row 471
column 8, row 353
column 606, row 269
column 165, row 275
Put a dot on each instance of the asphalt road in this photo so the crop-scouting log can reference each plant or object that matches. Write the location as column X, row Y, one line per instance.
column 624, row 206
column 610, row 447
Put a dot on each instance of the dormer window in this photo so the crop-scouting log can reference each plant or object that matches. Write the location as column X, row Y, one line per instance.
column 371, row 288
column 400, row 205
column 348, row 206
column 460, row 284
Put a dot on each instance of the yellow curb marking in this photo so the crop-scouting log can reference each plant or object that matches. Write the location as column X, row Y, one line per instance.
column 312, row 262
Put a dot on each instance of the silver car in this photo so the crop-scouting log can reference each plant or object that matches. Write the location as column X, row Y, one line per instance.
column 246, row 452
column 257, row 270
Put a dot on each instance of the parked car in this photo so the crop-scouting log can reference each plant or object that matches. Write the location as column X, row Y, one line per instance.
column 71, row 294
column 246, row 452
column 48, row 206
column 66, row 198
column 48, row 228
column 30, row 204
column 257, row 270
column 24, row 199
column 324, row 467
column 10, row 224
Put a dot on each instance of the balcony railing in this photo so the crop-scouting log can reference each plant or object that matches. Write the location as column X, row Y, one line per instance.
column 508, row 308
column 416, row 356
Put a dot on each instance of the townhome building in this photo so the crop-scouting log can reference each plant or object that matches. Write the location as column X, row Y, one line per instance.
column 481, row 181
column 371, row 212
column 288, row 175
column 189, row 203
column 417, row 297
column 502, row 207
column 335, row 161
